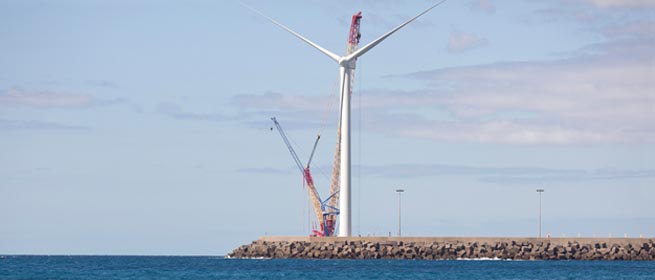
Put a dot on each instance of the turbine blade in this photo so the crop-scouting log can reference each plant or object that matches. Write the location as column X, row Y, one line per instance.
column 370, row 45
column 316, row 46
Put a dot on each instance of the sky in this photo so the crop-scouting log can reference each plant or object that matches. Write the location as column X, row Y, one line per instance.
column 142, row 127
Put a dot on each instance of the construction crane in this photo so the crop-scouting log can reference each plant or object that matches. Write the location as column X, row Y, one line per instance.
column 340, row 187
column 325, row 214
column 326, row 210
column 353, row 43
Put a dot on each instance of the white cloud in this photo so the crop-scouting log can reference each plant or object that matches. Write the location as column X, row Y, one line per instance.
column 593, row 13
column 602, row 93
column 518, row 133
column 638, row 28
column 44, row 99
column 37, row 125
column 607, row 97
column 176, row 112
column 503, row 175
column 494, row 175
column 486, row 6
column 264, row 170
column 621, row 3
column 103, row 84
column 275, row 100
column 461, row 42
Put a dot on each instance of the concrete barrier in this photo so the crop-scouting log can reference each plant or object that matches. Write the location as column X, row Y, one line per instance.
column 445, row 248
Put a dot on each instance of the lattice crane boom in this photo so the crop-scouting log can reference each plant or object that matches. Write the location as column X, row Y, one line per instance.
column 353, row 43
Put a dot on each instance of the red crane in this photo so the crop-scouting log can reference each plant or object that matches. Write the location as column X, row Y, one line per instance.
column 321, row 209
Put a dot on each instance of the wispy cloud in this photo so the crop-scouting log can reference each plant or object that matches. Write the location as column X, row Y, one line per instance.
column 37, row 125
column 519, row 133
column 601, row 93
column 253, row 111
column 593, row 12
column 264, row 170
column 605, row 94
column 505, row 175
column 606, row 97
column 486, row 6
column 296, row 111
column 608, row 4
column 492, row 175
column 461, row 41
column 634, row 29
column 103, row 84
column 45, row 99
column 175, row 111
column 279, row 101
column 422, row 170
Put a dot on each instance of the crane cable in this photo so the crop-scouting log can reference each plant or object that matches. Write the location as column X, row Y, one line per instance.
column 334, row 94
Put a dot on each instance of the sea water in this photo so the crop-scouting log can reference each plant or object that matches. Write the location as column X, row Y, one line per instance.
column 159, row 267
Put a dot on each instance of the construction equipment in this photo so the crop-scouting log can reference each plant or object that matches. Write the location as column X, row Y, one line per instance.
column 353, row 42
column 325, row 214
column 347, row 64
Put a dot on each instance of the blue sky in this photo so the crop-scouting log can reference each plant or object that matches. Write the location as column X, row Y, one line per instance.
column 142, row 127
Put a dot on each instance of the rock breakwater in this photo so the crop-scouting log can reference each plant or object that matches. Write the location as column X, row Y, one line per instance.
column 449, row 248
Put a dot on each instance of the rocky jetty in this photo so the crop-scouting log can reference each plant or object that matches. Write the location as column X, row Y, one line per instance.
column 449, row 248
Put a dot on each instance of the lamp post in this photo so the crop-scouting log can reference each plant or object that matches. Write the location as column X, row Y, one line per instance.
column 540, row 191
column 399, row 191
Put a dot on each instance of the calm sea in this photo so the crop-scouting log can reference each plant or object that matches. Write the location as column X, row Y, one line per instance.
column 150, row 267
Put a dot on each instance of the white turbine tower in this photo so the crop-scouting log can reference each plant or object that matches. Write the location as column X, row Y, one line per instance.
column 347, row 65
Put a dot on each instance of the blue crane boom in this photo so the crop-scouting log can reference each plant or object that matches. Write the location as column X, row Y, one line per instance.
column 321, row 209
column 291, row 150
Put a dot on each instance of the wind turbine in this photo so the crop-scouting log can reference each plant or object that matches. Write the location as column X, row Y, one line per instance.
column 347, row 64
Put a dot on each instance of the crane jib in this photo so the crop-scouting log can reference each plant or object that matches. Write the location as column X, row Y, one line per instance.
column 325, row 214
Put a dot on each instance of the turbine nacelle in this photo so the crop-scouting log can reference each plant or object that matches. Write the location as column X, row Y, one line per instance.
column 348, row 63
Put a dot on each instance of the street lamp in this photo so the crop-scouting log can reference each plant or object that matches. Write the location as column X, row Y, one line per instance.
column 540, row 191
column 399, row 191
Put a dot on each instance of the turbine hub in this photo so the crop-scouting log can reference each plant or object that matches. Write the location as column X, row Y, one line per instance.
column 348, row 63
